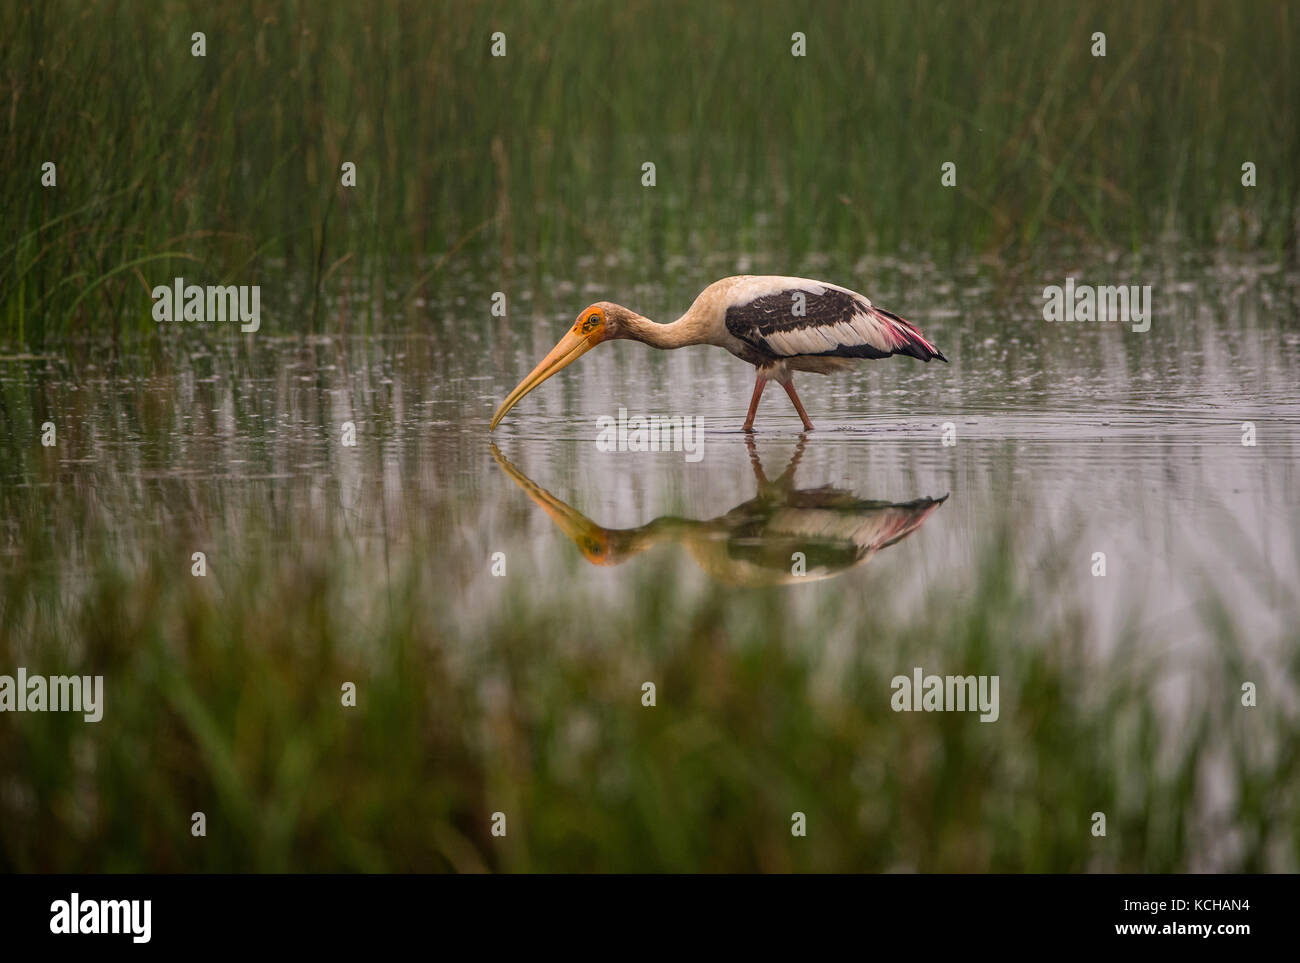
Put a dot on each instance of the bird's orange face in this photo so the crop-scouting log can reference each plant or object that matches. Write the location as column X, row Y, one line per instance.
column 587, row 332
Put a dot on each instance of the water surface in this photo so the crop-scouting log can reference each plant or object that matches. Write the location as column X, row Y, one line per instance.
column 1093, row 436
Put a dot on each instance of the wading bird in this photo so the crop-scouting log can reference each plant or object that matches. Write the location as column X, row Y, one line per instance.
column 755, row 543
column 780, row 325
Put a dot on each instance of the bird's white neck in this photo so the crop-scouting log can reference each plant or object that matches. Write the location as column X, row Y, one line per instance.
column 686, row 330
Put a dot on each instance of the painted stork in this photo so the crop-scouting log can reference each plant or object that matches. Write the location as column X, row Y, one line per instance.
column 753, row 544
column 780, row 325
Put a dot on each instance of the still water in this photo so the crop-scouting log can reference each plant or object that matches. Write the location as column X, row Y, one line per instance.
column 1166, row 459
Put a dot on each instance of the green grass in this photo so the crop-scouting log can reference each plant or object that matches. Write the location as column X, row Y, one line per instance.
column 226, row 168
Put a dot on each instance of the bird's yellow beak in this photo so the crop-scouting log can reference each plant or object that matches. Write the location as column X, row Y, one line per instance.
column 571, row 347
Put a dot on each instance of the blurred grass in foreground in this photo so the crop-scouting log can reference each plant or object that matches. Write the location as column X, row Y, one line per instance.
column 222, row 695
column 226, row 168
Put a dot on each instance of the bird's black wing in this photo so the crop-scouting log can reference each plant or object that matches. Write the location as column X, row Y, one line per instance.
column 822, row 320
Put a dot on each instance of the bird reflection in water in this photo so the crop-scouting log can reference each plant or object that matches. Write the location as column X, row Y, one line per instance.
column 754, row 543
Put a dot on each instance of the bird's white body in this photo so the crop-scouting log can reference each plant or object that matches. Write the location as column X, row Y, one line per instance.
column 856, row 323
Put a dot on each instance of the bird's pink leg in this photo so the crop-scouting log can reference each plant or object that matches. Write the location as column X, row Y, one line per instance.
column 798, row 405
column 759, row 384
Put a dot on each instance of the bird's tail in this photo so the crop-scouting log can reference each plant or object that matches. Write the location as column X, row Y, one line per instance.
column 907, row 339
